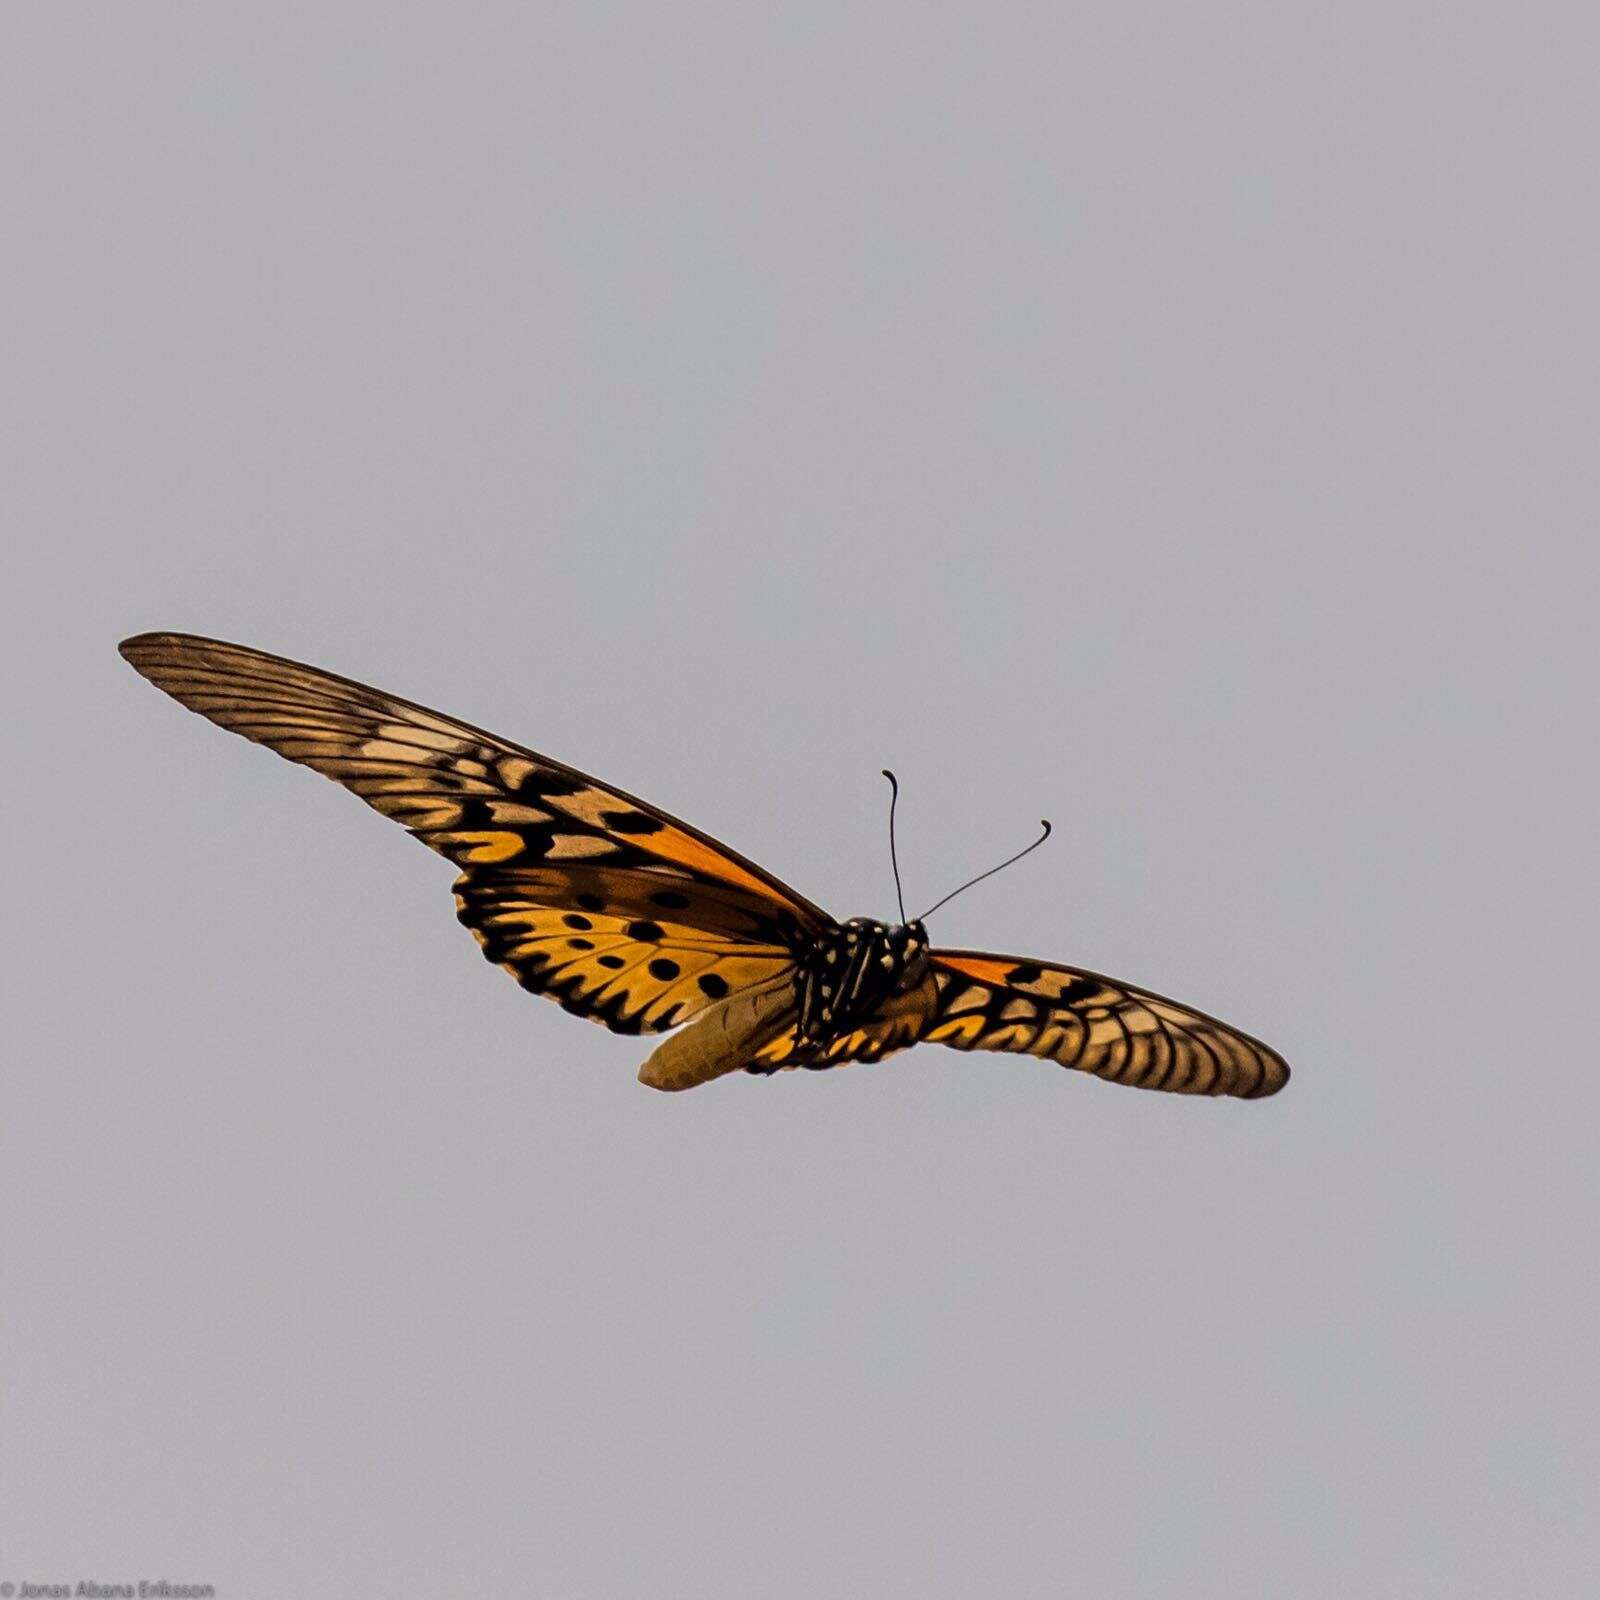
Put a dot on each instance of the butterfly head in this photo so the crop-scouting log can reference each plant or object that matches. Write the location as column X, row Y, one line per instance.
column 913, row 954
column 899, row 950
column 910, row 939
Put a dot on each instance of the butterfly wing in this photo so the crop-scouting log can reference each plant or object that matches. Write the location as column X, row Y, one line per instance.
column 680, row 919
column 633, row 972
column 975, row 1001
column 1096, row 1024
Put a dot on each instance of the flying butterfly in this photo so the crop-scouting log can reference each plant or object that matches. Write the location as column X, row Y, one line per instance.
column 627, row 916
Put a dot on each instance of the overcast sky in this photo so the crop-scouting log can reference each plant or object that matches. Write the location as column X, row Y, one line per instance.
column 1179, row 422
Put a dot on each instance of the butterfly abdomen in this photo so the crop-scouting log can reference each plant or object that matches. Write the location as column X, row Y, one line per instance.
column 724, row 1039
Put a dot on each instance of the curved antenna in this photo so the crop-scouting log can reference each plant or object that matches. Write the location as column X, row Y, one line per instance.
column 894, row 860
column 1043, row 823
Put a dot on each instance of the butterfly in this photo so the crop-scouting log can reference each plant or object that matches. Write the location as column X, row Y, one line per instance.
column 633, row 919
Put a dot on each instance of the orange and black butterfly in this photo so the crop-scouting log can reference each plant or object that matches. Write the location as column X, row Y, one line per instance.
column 635, row 920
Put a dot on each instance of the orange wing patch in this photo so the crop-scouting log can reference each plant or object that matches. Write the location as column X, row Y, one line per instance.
column 988, row 969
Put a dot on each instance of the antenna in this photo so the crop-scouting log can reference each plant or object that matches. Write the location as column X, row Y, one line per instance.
column 989, row 874
column 894, row 860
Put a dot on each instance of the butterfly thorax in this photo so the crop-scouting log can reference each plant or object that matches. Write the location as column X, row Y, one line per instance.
column 843, row 976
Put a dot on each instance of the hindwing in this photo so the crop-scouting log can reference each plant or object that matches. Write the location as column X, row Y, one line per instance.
column 602, row 959
column 1096, row 1024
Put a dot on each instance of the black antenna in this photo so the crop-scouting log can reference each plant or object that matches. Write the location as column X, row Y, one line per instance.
column 989, row 874
column 894, row 860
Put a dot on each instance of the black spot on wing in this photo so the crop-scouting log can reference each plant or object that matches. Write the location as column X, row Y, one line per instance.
column 629, row 822
column 573, row 920
column 1079, row 989
column 613, row 962
column 663, row 969
column 543, row 781
column 712, row 985
column 644, row 930
column 591, row 902
column 1025, row 972
column 670, row 900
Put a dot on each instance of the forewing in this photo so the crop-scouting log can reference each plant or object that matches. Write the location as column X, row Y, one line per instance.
column 480, row 800
column 582, row 892
column 1096, row 1024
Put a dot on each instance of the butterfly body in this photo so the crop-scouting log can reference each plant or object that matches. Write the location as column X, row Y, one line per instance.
column 631, row 918
column 846, row 974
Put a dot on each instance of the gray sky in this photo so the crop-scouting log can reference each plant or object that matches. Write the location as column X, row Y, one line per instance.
column 1176, row 421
